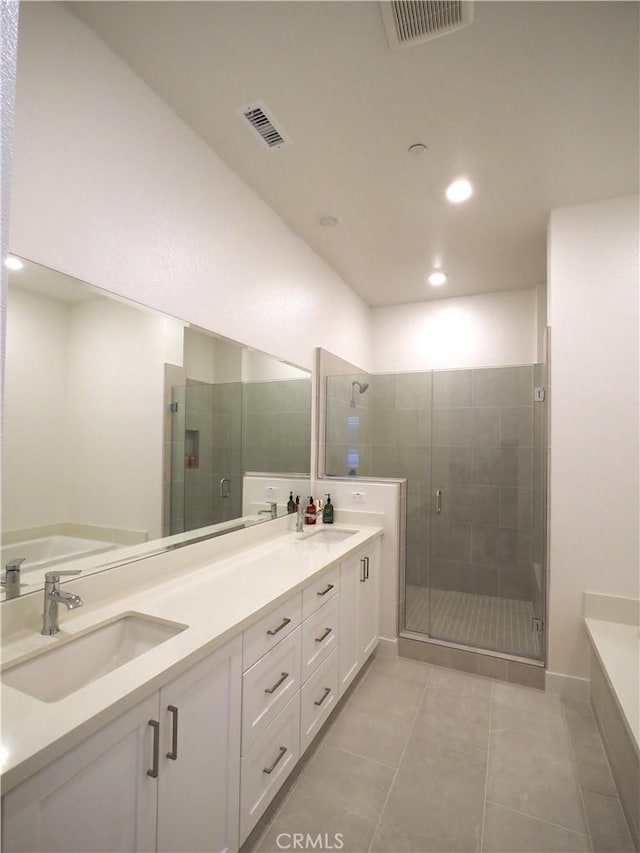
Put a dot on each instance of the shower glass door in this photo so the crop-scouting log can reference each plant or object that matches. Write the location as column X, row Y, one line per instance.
column 206, row 484
column 484, row 590
column 471, row 444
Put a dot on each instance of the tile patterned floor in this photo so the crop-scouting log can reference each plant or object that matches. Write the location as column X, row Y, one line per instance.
column 419, row 758
column 482, row 621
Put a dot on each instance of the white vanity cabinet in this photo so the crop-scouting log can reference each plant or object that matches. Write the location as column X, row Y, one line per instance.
column 96, row 797
column 119, row 790
column 359, row 611
column 199, row 756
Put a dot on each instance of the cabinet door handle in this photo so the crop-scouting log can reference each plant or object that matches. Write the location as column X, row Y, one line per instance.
column 155, row 725
column 366, row 568
column 327, row 690
column 173, row 755
column 277, row 684
column 281, row 755
column 438, row 501
column 325, row 591
column 282, row 625
column 324, row 636
column 363, row 576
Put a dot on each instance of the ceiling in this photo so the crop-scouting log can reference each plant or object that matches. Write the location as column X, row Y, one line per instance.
column 535, row 102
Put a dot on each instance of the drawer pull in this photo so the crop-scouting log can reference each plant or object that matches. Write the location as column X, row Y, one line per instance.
column 284, row 624
column 325, row 591
column 363, row 575
column 281, row 755
column 155, row 725
column 173, row 755
column 324, row 636
column 327, row 690
column 277, row 684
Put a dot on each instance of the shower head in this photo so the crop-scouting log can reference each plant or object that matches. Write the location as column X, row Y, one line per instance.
column 361, row 386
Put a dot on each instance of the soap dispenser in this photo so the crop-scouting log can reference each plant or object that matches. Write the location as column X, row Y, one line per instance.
column 310, row 512
column 327, row 512
column 291, row 504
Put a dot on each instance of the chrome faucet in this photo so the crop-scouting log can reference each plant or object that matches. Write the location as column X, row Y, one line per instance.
column 53, row 596
column 272, row 511
column 11, row 581
column 300, row 518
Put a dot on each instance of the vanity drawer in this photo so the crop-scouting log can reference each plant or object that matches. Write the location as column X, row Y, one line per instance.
column 271, row 629
column 319, row 636
column 320, row 591
column 267, row 764
column 317, row 699
column 268, row 685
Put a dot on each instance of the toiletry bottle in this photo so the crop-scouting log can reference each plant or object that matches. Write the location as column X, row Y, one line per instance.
column 310, row 512
column 327, row 512
column 291, row 504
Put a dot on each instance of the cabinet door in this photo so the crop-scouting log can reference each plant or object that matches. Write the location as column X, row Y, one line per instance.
column 96, row 797
column 351, row 579
column 199, row 781
column 369, row 604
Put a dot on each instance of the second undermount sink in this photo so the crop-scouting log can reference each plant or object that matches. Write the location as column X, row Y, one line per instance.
column 58, row 672
column 328, row 536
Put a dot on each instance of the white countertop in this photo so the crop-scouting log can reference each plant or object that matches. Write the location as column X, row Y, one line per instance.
column 216, row 601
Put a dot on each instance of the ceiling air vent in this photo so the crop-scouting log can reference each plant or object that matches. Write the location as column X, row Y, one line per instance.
column 263, row 124
column 409, row 22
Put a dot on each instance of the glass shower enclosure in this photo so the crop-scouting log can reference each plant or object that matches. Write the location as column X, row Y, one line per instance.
column 471, row 444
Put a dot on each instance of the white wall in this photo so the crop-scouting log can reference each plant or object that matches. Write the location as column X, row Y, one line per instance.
column 84, row 387
column 34, row 482
column 594, row 473
column 112, row 188
column 115, row 414
column 489, row 330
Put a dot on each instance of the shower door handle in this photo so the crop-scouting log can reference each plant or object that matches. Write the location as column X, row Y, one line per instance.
column 438, row 501
column 225, row 487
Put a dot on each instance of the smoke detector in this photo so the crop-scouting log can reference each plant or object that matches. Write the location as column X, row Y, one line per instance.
column 261, row 122
column 409, row 22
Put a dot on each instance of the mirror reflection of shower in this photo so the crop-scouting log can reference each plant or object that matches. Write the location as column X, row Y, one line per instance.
column 361, row 386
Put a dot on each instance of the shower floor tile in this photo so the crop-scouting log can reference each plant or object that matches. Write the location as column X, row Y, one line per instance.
column 483, row 621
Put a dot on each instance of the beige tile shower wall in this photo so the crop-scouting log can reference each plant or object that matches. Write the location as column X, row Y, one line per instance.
column 276, row 436
column 483, row 463
column 348, row 432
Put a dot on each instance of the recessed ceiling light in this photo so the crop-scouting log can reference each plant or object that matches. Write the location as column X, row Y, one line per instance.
column 459, row 190
column 437, row 278
column 417, row 149
column 328, row 221
column 12, row 263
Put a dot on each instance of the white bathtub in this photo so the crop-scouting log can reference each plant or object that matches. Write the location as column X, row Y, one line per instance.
column 612, row 624
column 51, row 551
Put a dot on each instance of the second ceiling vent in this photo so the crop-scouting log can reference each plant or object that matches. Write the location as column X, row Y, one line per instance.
column 410, row 22
column 263, row 124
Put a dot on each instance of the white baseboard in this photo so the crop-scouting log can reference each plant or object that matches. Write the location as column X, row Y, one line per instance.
column 567, row 686
column 387, row 648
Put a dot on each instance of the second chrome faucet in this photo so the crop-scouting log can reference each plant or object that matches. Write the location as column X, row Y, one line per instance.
column 53, row 596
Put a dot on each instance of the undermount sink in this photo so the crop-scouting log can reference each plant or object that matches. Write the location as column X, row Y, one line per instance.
column 57, row 672
column 328, row 536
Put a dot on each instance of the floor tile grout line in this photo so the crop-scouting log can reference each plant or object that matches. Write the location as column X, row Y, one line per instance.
column 397, row 770
column 540, row 819
column 486, row 774
column 576, row 774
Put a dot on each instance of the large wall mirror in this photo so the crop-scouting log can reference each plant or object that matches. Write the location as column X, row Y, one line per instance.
column 127, row 431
